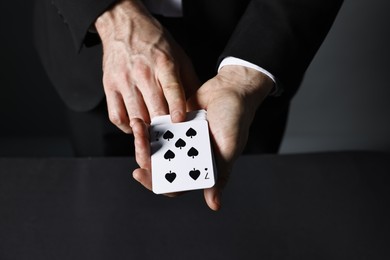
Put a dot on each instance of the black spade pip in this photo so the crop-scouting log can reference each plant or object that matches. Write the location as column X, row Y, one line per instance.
column 191, row 132
column 168, row 135
column 194, row 174
column 192, row 152
column 169, row 155
column 180, row 143
column 170, row 176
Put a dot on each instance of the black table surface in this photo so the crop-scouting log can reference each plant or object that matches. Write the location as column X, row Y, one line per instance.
column 305, row 206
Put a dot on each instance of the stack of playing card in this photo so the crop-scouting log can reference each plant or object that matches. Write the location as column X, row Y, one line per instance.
column 182, row 157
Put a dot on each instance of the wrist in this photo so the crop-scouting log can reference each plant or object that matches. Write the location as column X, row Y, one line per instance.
column 249, row 84
column 246, row 79
column 112, row 22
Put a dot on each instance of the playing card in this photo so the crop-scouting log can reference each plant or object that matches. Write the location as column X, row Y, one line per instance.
column 182, row 157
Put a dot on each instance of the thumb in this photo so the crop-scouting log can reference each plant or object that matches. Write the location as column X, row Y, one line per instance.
column 213, row 195
column 199, row 99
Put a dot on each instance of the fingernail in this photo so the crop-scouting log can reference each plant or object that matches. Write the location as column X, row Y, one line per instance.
column 217, row 200
column 131, row 122
column 176, row 117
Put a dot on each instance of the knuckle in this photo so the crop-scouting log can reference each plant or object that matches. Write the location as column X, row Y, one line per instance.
column 115, row 118
column 165, row 60
column 142, row 70
column 171, row 86
column 109, row 82
column 114, row 79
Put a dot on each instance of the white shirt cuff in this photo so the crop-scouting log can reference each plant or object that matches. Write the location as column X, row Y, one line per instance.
column 236, row 61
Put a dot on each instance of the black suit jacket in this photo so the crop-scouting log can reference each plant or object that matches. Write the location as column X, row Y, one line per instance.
column 281, row 36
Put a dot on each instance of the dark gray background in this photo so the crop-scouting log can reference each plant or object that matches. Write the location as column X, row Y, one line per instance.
column 342, row 104
column 31, row 113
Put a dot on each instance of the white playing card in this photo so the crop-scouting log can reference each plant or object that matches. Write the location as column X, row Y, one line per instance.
column 182, row 157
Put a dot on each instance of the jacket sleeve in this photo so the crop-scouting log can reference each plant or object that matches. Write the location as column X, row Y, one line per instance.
column 79, row 15
column 282, row 36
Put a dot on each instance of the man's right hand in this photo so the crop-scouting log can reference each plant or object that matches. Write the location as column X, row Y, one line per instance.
column 144, row 69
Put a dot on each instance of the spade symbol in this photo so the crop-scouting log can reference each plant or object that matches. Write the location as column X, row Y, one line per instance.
column 171, row 176
column 192, row 152
column 191, row 132
column 169, row 155
column 194, row 174
column 180, row 143
column 168, row 135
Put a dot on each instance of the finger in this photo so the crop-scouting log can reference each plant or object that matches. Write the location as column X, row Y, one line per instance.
column 135, row 104
column 141, row 143
column 151, row 91
column 173, row 92
column 213, row 198
column 142, row 153
column 117, row 112
column 199, row 100
column 213, row 195
column 144, row 177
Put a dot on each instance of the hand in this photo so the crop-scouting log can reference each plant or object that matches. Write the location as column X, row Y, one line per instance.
column 143, row 67
column 231, row 100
